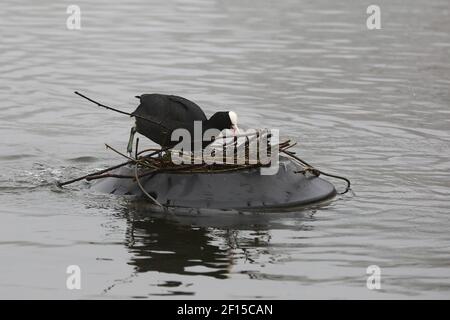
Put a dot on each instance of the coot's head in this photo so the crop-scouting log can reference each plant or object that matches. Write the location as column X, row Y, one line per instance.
column 224, row 120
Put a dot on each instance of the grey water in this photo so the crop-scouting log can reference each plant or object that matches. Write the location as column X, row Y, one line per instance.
column 372, row 105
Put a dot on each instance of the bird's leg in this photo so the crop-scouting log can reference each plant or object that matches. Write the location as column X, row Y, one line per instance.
column 130, row 141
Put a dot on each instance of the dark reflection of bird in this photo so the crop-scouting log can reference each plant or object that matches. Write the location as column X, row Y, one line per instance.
column 166, row 246
column 181, row 242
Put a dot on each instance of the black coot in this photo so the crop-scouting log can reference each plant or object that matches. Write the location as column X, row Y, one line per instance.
column 168, row 113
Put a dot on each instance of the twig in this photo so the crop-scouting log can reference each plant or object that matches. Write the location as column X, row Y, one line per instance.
column 163, row 164
column 61, row 184
column 109, row 175
column 142, row 188
column 318, row 172
column 97, row 173
column 120, row 153
column 123, row 112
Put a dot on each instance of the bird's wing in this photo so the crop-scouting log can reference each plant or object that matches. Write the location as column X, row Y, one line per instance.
column 190, row 107
column 182, row 101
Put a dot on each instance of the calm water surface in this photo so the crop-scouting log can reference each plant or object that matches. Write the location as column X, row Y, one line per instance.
column 371, row 105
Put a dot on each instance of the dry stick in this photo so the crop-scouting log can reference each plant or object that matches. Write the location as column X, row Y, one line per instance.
column 289, row 153
column 177, row 168
column 99, row 176
column 182, row 169
column 136, row 162
column 231, row 144
column 243, row 167
column 150, row 149
column 289, row 146
column 154, row 149
column 142, row 188
column 123, row 112
column 60, row 184
column 193, row 168
column 148, row 164
column 120, row 153
column 311, row 168
column 109, row 175
column 98, row 173
column 196, row 168
column 120, row 176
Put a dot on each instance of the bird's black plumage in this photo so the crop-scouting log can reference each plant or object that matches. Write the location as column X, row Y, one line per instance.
column 168, row 113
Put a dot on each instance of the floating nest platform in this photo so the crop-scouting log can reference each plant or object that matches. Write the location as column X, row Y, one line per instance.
column 242, row 189
column 236, row 182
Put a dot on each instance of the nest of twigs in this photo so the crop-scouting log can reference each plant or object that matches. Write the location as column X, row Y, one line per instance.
column 233, row 155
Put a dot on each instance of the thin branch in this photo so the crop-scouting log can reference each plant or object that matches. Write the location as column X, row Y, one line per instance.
column 123, row 112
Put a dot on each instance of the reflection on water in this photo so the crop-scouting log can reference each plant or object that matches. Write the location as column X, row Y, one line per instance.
column 164, row 246
column 186, row 244
column 173, row 248
column 369, row 105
